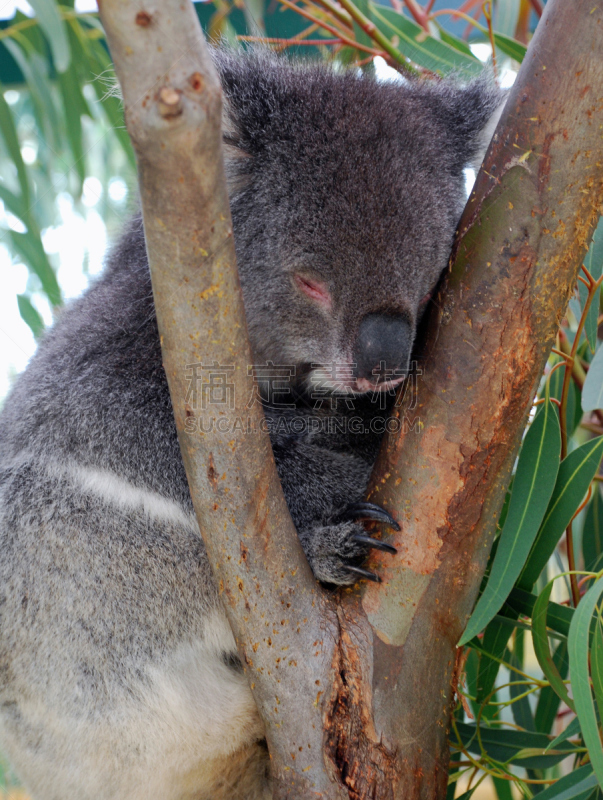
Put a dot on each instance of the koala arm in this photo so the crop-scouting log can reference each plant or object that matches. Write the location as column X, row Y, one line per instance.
column 324, row 490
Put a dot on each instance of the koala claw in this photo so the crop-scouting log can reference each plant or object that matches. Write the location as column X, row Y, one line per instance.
column 376, row 544
column 364, row 573
column 369, row 511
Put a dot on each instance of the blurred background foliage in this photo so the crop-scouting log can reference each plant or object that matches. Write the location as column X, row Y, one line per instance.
column 530, row 679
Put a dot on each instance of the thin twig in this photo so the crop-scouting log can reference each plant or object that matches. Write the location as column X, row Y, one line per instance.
column 330, row 28
column 487, row 10
column 334, row 9
column 290, row 42
column 371, row 30
column 417, row 13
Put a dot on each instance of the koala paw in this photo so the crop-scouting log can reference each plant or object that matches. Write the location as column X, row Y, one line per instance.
column 336, row 551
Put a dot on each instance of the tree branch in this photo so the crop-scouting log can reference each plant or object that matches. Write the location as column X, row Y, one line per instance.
column 356, row 693
column 520, row 244
column 283, row 622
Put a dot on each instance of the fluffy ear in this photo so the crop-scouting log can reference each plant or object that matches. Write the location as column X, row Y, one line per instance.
column 469, row 115
column 485, row 135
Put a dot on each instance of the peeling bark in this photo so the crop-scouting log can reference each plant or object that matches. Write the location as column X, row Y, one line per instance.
column 355, row 688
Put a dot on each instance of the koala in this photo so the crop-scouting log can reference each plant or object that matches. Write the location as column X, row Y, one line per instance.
column 119, row 675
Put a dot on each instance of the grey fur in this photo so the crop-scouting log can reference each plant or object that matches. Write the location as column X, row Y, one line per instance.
column 118, row 673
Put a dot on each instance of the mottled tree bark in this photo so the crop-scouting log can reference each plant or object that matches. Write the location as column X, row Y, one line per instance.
column 355, row 687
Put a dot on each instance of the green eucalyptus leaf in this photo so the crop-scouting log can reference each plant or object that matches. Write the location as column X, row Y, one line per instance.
column 558, row 617
column 520, row 706
column 421, row 48
column 30, row 315
column 503, row 788
column 11, row 140
column 510, row 47
column 74, row 106
column 579, row 649
column 458, row 44
column 592, row 532
column 14, row 203
column 548, row 700
column 592, row 391
column 578, row 785
column 30, row 247
column 523, row 748
column 596, row 665
column 29, row 62
column 575, row 475
column 51, row 22
column 541, row 646
column 555, row 387
column 507, row 14
column 573, row 729
column 533, row 485
column 594, row 264
column 494, row 641
column 593, row 261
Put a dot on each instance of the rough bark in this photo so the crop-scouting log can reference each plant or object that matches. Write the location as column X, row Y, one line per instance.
column 355, row 688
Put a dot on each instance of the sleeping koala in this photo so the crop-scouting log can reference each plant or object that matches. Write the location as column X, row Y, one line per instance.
column 119, row 674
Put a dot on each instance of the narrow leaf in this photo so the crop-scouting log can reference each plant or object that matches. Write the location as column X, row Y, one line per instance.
column 510, row 47
column 462, row 46
column 592, row 533
column 51, row 22
column 506, row 17
column 39, row 86
column 541, row 646
column 594, row 258
column 575, row 475
column 576, row 786
column 503, row 788
column 555, row 386
column 592, row 392
column 32, row 251
column 13, row 203
column 596, row 665
column 494, row 641
column 578, row 647
column 532, row 488
column 422, row 49
column 558, row 618
column 548, row 700
column 11, row 140
column 30, row 315
column 573, row 729
column 525, row 748
column 594, row 264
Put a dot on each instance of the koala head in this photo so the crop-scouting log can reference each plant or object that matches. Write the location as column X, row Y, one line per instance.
column 345, row 194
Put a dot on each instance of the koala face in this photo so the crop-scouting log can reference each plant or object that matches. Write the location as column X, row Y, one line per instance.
column 345, row 195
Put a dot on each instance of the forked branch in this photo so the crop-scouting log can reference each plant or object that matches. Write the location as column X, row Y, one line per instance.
column 355, row 689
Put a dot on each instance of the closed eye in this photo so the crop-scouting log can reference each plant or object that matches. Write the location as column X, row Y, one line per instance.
column 315, row 290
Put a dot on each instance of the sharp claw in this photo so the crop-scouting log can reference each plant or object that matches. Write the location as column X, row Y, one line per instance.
column 377, row 544
column 364, row 573
column 369, row 511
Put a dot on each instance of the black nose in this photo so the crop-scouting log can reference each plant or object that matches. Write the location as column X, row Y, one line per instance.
column 382, row 347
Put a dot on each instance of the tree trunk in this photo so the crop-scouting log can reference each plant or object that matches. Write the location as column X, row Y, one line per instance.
column 355, row 688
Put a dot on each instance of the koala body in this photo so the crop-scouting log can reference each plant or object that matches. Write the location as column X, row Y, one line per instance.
column 119, row 676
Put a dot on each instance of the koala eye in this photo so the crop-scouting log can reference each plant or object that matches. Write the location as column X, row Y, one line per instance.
column 315, row 290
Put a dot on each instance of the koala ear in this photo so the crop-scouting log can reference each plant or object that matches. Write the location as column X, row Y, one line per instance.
column 485, row 135
column 469, row 115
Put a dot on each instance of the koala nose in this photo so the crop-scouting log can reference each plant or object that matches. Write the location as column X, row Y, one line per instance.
column 382, row 347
